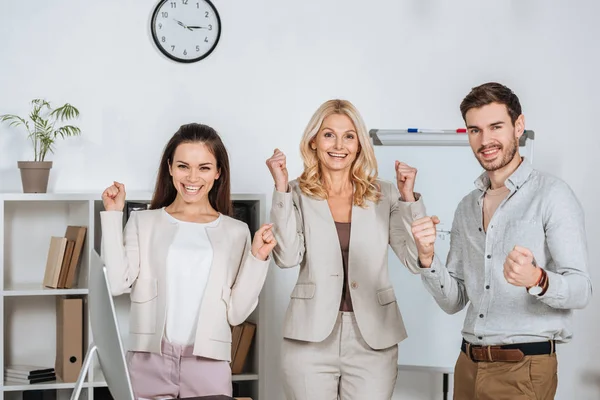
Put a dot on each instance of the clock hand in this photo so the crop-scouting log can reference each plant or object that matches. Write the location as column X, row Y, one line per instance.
column 180, row 23
column 197, row 27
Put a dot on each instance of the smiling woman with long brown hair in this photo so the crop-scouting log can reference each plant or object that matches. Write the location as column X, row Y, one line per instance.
column 192, row 269
column 336, row 221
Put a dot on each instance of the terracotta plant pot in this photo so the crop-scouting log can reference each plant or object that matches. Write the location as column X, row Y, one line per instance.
column 34, row 175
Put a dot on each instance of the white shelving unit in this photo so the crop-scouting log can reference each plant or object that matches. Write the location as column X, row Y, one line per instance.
column 27, row 309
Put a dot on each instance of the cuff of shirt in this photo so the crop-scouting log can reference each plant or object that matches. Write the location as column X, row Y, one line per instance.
column 434, row 271
column 555, row 287
column 416, row 208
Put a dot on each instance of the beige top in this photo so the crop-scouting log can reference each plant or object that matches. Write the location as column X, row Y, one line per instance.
column 491, row 201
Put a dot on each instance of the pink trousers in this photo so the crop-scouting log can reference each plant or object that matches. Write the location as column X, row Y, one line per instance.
column 177, row 373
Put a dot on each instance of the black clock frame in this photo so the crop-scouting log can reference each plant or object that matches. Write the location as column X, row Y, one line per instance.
column 169, row 55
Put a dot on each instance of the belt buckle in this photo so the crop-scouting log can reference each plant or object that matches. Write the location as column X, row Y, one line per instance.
column 488, row 353
column 470, row 353
column 486, row 350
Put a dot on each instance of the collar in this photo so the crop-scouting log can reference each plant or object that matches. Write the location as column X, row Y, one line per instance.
column 513, row 182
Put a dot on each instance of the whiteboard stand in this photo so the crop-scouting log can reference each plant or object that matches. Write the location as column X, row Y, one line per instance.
column 446, row 372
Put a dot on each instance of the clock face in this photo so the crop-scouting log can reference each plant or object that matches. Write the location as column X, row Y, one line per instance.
column 186, row 30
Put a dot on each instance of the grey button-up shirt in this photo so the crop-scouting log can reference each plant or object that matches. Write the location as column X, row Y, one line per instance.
column 542, row 214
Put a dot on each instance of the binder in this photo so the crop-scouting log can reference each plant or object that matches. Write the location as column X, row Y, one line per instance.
column 69, row 338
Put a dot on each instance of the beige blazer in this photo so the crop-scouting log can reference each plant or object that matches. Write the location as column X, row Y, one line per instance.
column 138, row 257
column 306, row 236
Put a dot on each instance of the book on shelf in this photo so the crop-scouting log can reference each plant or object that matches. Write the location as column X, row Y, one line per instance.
column 28, row 370
column 44, row 394
column 28, row 374
column 241, row 340
column 11, row 376
column 64, row 256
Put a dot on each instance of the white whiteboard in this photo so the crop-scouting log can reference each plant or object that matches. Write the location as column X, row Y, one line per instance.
column 445, row 175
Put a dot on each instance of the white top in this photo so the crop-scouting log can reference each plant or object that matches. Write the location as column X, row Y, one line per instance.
column 188, row 266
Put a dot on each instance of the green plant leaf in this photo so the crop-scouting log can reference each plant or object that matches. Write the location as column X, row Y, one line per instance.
column 43, row 135
column 14, row 120
column 65, row 112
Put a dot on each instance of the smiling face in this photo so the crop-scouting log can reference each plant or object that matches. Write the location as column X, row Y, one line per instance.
column 492, row 136
column 194, row 171
column 336, row 143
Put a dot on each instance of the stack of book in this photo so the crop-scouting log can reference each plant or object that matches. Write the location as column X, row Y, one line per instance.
column 27, row 374
column 241, row 341
column 64, row 256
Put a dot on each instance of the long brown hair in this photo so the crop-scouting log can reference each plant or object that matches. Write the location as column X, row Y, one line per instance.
column 220, row 194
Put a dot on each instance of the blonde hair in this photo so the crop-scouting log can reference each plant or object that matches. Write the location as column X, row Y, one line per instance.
column 364, row 168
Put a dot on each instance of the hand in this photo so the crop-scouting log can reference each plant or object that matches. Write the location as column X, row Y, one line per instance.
column 278, row 170
column 405, row 179
column 114, row 197
column 263, row 242
column 520, row 268
column 424, row 232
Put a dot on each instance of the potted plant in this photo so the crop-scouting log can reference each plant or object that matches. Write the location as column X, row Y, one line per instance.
column 43, row 133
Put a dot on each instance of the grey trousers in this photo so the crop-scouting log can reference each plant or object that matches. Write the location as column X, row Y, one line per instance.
column 341, row 367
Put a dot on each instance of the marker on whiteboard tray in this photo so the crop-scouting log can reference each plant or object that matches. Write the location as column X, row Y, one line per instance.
column 417, row 130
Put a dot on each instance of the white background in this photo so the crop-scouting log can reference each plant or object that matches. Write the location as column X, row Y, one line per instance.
column 403, row 63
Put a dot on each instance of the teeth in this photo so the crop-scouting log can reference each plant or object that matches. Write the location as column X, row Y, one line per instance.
column 487, row 152
column 337, row 155
column 192, row 188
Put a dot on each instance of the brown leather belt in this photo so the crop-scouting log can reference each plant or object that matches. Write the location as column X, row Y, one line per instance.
column 507, row 352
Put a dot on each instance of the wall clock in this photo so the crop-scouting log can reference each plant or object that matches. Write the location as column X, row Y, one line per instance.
column 186, row 31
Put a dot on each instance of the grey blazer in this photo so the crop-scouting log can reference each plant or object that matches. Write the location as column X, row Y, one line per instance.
column 306, row 236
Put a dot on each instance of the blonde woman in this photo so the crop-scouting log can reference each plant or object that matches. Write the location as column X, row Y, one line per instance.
column 343, row 324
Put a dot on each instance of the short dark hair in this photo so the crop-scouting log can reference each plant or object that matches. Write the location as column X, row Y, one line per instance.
column 488, row 93
column 220, row 194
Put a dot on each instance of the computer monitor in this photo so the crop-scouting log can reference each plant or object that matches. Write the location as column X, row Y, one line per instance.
column 106, row 338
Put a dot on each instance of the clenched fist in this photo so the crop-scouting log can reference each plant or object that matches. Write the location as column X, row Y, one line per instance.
column 263, row 242
column 520, row 268
column 424, row 232
column 278, row 170
column 405, row 179
column 113, row 197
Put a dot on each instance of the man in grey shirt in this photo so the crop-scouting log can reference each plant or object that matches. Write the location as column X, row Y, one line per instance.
column 518, row 259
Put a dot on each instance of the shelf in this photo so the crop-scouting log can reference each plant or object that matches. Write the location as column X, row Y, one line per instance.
column 244, row 377
column 30, row 307
column 17, row 387
column 35, row 289
column 49, row 196
column 57, row 384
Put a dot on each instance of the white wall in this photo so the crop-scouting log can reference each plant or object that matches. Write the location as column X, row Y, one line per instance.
column 403, row 63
